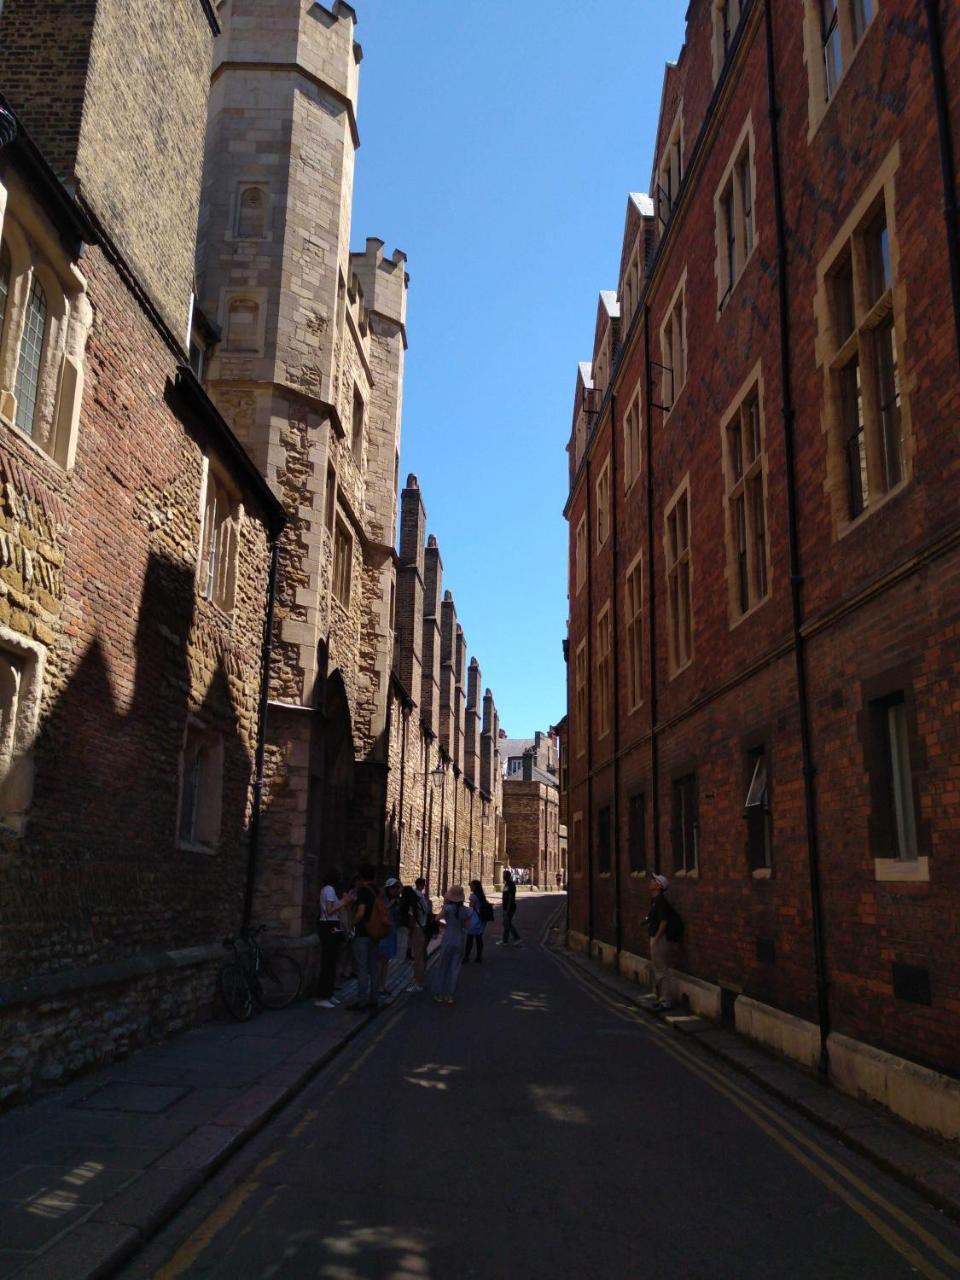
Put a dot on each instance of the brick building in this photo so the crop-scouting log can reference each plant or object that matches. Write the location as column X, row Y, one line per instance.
column 370, row 692
column 764, row 567
column 135, row 549
column 531, row 807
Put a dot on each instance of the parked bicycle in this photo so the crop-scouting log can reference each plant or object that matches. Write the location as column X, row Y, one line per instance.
column 270, row 979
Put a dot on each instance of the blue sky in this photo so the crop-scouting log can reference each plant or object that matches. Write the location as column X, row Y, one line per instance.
column 498, row 143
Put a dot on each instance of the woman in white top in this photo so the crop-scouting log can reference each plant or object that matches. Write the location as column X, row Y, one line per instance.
column 331, row 939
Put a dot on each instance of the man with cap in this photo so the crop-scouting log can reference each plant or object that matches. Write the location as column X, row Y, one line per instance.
column 657, row 920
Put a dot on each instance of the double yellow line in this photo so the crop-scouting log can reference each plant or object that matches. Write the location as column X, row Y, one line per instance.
column 867, row 1203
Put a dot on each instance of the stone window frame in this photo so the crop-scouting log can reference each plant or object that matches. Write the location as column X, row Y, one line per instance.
column 577, row 839
column 633, row 629
column 221, row 528
column 37, row 255
column 753, row 473
column 202, row 747
column 834, row 353
column 580, row 695
column 673, row 343
column 753, row 747
column 341, row 577
column 604, row 671
column 670, row 169
column 242, row 188
column 580, row 555
column 330, row 499
column 630, row 286
column 357, row 424
column 228, row 299
column 820, row 97
column 632, row 442
column 724, row 34
column 603, row 505
column 680, row 656
column 729, row 202
column 684, row 803
column 18, row 733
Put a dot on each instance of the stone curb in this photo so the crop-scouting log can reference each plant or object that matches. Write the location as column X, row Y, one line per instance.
column 116, row 1231
column 912, row 1159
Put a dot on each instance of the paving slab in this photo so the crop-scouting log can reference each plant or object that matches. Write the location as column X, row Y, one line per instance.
column 152, row 1199
column 93, row 1250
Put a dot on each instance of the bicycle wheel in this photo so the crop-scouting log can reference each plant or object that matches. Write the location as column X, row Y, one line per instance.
column 279, row 981
column 235, row 991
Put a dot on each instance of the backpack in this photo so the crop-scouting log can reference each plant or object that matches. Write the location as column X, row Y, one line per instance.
column 378, row 922
column 485, row 911
column 674, row 923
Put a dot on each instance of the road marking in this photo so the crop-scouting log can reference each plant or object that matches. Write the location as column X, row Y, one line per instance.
column 206, row 1233
column 778, row 1128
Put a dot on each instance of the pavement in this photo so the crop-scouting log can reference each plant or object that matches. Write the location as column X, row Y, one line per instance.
column 545, row 1127
column 92, row 1171
column 521, row 1097
column 925, row 1164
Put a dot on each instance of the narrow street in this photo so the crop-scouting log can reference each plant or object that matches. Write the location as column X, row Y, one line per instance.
column 540, row 1127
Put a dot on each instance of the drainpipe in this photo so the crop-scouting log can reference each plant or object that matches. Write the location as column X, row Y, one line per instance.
column 947, row 167
column 427, row 827
column 615, row 691
column 386, row 787
column 651, row 596
column 588, row 727
column 253, row 848
column 796, row 577
column 403, row 779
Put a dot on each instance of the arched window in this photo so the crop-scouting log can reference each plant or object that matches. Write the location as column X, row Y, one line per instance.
column 243, row 325
column 4, row 284
column 31, row 353
column 252, row 216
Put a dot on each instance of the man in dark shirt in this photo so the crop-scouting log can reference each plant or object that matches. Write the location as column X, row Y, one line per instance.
column 657, row 919
column 509, row 911
column 365, row 948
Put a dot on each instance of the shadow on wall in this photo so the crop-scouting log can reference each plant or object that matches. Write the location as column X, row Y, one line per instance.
column 101, row 873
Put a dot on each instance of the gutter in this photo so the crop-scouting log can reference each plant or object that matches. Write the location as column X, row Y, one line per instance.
column 796, row 575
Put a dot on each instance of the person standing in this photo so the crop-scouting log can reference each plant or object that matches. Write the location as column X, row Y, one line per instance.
column 480, row 914
column 658, row 922
column 365, row 949
column 452, row 922
column 331, row 939
column 509, row 911
column 421, row 925
column 388, row 946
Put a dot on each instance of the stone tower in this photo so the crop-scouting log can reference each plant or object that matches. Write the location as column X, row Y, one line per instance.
column 308, row 372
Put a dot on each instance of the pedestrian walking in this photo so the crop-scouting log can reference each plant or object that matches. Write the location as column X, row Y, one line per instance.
column 453, row 919
column 388, row 946
column 509, row 911
column 481, row 913
column 331, row 938
column 664, row 927
column 422, row 925
column 365, row 943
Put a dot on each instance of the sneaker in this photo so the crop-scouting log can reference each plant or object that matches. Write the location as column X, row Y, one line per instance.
column 438, row 999
column 325, row 1004
column 449, row 999
column 501, row 943
column 414, row 987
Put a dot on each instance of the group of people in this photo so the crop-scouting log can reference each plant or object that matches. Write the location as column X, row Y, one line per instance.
column 382, row 923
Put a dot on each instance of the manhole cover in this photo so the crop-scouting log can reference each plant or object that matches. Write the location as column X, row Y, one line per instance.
column 146, row 1098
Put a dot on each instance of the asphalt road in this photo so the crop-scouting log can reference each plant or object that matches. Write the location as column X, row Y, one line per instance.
column 538, row 1128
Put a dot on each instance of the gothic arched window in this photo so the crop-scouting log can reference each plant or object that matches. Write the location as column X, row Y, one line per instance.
column 252, row 214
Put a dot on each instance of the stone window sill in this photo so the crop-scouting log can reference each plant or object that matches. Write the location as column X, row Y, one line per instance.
column 189, row 846
column 762, row 873
column 898, row 871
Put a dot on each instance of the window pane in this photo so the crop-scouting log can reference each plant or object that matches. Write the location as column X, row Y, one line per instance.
column 876, row 241
column 842, row 288
column 190, row 795
column 4, row 283
column 746, row 192
column 752, row 416
column 31, row 353
column 861, row 17
column 759, row 538
column 888, row 399
column 735, row 436
column 830, row 38
column 901, row 781
column 730, row 236
column 858, row 490
column 740, row 532
column 251, row 222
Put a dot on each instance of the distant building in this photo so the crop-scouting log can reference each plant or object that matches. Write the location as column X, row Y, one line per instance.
column 531, row 807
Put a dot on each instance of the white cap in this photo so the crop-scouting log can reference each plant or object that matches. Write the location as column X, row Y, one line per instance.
column 662, row 881
column 391, row 881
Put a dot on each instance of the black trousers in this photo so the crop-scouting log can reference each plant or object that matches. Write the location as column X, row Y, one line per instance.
column 471, row 939
column 331, row 939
